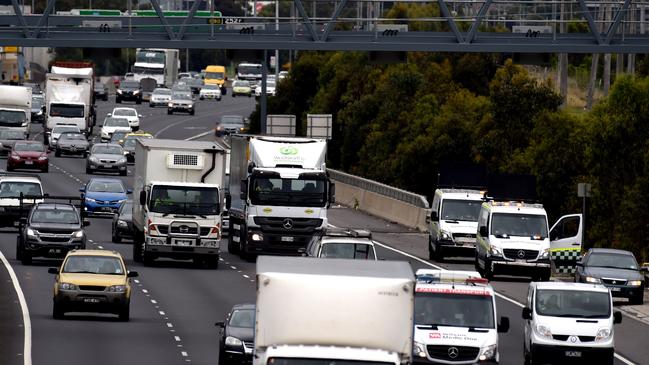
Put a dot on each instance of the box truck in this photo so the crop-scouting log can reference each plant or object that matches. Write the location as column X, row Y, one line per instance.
column 16, row 107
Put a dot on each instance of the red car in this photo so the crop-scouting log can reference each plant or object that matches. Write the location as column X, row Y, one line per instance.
column 28, row 155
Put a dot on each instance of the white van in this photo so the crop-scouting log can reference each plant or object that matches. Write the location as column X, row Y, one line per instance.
column 455, row 319
column 513, row 239
column 568, row 322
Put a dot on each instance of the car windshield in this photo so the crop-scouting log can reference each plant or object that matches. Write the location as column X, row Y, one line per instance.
column 243, row 318
column 612, row 260
column 307, row 192
column 159, row 92
column 30, row 147
column 116, row 122
column 103, row 265
column 124, row 113
column 181, row 96
column 37, row 103
column 12, row 134
column 249, row 69
column 72, row 137
column 184, row 200
column 60, row 129
column 103, row 186
column 99, row 86
column 241, row 83
column 573, row 303
column 130, row 85
column 12, row 117
column 53, row 215
column 12, row 189
column 107, row 150
column 347, row 250
column 119, row 135
column 130, row 141
column 211, row 87
column 214, row 75
column 524, row 225
column 66, row 110
column 454, row 310
column 460, row 210
column 270, row 83
column 233, row 121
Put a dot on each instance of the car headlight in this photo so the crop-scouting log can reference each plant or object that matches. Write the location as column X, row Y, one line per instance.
column 31, row 232
column 257, row 237
column 545, row 254
column 40, row 112
column 119, row 91
column 42, row 158
column 122, row 223
column 590, row 279
column 544, row 331
column 68, row 286
column 210, row 243
column 233, row 341
column 136, row 92
column 15, row 157
column 495, row 251
column 419, row 349
column 93, row 159
column 156, row 241
column 116, row 288
column 90, row 200
column 122, row 160
column 446, row 235
column 78, row 234
column 170, row 105
column 603, row 334
column 125, row 153
column 489, row 353
column 635, row 282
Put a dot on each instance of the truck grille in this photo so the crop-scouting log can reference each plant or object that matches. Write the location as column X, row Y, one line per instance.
column 288, row 225
column 566, row 337
column 452, row 353
column 515, row 254
column 614, row 281
column 164, row 229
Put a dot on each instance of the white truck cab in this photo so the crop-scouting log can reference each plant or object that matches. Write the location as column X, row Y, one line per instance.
column 568, row 322
column 11, row 188
column 513, row 239
column 453, row 223
column 455, row 319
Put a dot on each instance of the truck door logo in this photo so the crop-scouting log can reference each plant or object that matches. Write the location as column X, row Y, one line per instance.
column 290, row 150
column 287, row 223
column 453, row 352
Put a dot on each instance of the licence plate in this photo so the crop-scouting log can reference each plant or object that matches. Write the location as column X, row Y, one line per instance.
column 54, row 250
column 616, row 289
column 90, row 300
column 521, row 260
column 107, row 166
column 288, row 239
column 184, row 242
column 573, row 353
column 106, row 209
column 29, row 162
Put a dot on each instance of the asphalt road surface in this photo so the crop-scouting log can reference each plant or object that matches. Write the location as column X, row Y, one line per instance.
column 174, row 305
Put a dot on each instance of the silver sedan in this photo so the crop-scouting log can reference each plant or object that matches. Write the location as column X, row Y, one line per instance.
column 107, row 157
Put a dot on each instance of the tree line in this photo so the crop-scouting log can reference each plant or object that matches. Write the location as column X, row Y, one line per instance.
column 397, row 123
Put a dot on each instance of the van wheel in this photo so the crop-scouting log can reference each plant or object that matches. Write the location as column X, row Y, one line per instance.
column 488, row 274
column 431, row 254
column 57, row 311
column 233, row 248
column 638, row 299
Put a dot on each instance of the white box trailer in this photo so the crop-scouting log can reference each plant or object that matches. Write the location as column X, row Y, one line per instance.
column 333, row 310
column 15, row 107
column 179, row 191
column 69, row 100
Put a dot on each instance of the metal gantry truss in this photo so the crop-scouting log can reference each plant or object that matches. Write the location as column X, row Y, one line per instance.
column 480, row 26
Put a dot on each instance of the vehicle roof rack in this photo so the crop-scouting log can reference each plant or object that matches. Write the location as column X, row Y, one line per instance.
column 75, row 200
column 429, row 276
column 347, row 232
column 461, row 175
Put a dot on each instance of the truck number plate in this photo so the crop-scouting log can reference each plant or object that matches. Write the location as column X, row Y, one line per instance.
column 288, row 239
column 54, row 250
column 615, row 289
column 573, row 353
column 184, row 242
column 91, row 300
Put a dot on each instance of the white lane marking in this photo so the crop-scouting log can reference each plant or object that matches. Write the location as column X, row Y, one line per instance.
column 100, row 247
column 246, row 276
column 27, row 324
column 161, row 313
column 198, row 136
column 233, row 267
column 135, row 280
column 173, row 125
column 153, row 301
column 144, row 291
column 177, row 338
column 170, row 325
column 184, row 353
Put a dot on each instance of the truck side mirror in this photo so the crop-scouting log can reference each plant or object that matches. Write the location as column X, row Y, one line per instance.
column 503, row 326
column 332, row 193
column 228, row 201
column 244, row 190
column 142, row 197
column 53, row 270
column 433, row 216
column 483, row 231
column 527, row 313
column 617, row 317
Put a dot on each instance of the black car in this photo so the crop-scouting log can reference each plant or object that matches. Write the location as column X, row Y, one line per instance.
column 101, row 91
column 123, row 222
column 72, row 143
column 237, row 333
column 129, row 90
column 618, row 270
column 38, row 108
column 50, row 230
column 230, row 124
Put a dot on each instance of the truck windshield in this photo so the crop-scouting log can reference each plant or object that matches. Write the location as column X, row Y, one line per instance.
column 148, row 56
column 288, row 192
column 250, row 70
column 12, row 118
column 184, row 200
column 214, row 75
column 461, row 210
column 66, row 110
column 298, row 361
column 573, row 303
column 148, row 70
column 12, row 189
column 524, row 225
column 454, row 310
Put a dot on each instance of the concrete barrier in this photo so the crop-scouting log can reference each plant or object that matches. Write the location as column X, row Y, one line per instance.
column 381, row 200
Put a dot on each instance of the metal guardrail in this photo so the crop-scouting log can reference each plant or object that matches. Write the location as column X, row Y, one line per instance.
column 379, row 188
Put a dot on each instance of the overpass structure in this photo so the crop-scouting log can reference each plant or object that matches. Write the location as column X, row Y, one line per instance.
column 507, row 26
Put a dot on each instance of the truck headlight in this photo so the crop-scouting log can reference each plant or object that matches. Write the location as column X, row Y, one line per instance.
column 31, row 232
column 119, row 91
column 545, row 254
column 635, row 282
column 419, row 349
column 68, row 286
column 171, row 105
column 544, row 331
column 156, row 241
column 122, row 160
column 489, row 353
column 116, row 289
column 233, row 341
column 136, row 92
column 122, row 223
column 93, row 159
column 257, row 237
column 590, row 279
column 603, row 334
column 78, row 234
column 446, row 235
column 495, row 251
column 210, row 243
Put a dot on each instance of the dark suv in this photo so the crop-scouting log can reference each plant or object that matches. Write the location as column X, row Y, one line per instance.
column 50, row 230
column 129, row 90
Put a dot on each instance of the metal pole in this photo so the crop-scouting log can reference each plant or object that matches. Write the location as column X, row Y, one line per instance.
column 583, row 223
column 186, row 59
column 262, row 112
column 276, row 51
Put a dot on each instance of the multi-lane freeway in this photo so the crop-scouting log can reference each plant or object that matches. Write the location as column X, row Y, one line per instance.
column 175, row 305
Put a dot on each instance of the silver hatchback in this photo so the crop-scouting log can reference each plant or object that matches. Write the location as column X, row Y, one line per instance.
column 107, row 157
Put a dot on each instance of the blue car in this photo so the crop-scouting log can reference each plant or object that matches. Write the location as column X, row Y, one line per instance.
column 104, row 195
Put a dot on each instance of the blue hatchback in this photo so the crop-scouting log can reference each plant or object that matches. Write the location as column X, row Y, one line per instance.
column 104, row 195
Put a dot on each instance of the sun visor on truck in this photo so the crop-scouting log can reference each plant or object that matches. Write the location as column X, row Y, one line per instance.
column 461, row 175
column 515, row 187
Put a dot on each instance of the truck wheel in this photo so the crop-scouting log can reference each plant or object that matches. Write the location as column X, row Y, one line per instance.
column 57, row 153
column 88, row 171
column 116, row 238
column 138, row 101
column 123, row 173
column 213, row 263
column 638, row 299
column 431, row 254
column 57, row 311
column 192, row 112
column 488, row 274
column 439, row 254
column 138, row 241
column 233, row 247
column 169, row 112
column 118, row 100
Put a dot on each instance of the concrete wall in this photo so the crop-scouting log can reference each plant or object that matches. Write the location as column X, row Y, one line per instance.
column 381, row 206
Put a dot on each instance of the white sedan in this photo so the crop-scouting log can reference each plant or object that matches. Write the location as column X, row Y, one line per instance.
column 270, row 88
column 210, row 91
column 129, row 114
column 112, row 125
